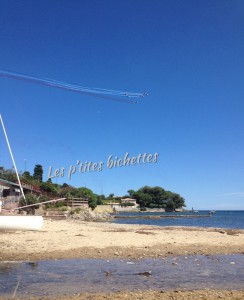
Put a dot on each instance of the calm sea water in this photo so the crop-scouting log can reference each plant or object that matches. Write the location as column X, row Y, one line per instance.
column 69, row 277
column 220, row 219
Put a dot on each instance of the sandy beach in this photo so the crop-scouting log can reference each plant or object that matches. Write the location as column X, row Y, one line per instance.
column 75, row 239
column 60, row 239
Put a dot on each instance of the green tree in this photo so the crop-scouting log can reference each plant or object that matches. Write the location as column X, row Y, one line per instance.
column 1, row 172
column 49, row 187
column 100, row 199
column 67, row 191
column 27, row 176
column 131, row 193
column 110, row 196
column 142, row 199
column 38, row 173
column 43, row 198
column 86, row 194
column 8, row 174
column 179, row 201
column 157, row 197
column 29, row 199
column 170, row 206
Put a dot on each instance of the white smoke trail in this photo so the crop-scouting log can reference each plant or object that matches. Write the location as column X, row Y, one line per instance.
column 114, row 95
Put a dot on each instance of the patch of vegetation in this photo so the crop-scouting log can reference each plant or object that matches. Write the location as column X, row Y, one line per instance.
column 76, row 210
column 63, row 208
column 143, row 209
column 127, row 204
column 29, row 199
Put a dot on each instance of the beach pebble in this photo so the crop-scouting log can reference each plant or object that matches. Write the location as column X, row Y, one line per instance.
column 147, row 273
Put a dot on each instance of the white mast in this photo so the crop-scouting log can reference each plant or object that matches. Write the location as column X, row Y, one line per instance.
column 22, row 192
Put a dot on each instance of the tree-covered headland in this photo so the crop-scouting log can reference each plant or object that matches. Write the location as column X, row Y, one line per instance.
column 157, row 197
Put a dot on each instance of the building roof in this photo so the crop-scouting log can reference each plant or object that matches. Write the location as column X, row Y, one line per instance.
column 8, row 182
column 24, row 185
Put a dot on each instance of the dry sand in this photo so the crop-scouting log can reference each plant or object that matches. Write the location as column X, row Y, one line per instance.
column 75, row 239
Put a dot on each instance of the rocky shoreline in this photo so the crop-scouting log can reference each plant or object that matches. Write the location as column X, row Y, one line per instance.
column 89, row 216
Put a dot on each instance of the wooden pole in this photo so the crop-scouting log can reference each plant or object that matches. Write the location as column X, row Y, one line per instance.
column 11, row 154
column 39, row 203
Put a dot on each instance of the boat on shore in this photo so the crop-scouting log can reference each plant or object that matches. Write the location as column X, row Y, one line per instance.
column 21, row 222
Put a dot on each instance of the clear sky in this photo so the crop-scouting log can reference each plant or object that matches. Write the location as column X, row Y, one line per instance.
column 187, row 55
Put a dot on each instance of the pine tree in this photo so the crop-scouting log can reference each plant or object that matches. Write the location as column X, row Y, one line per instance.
column 38, row 172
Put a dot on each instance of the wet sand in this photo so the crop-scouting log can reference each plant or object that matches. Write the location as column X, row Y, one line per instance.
column 148, row 295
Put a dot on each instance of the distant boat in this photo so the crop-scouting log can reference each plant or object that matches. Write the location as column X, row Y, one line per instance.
column 211, row 212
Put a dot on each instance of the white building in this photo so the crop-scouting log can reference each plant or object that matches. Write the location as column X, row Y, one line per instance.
column 129, row 200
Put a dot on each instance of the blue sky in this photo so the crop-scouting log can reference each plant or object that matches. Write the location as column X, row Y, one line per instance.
column 187, row 55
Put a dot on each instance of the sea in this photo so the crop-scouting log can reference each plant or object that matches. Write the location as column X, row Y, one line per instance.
column 232, row 219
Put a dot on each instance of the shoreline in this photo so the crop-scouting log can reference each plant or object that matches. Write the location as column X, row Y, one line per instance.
column 64, row 239
column 161, row 216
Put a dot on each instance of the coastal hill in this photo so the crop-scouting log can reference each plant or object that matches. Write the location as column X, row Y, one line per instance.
column 38, row 190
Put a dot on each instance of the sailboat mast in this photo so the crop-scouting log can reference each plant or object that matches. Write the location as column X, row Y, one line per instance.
column 11, row 154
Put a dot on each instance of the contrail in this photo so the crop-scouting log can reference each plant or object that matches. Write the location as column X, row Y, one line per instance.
column 119, row 96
